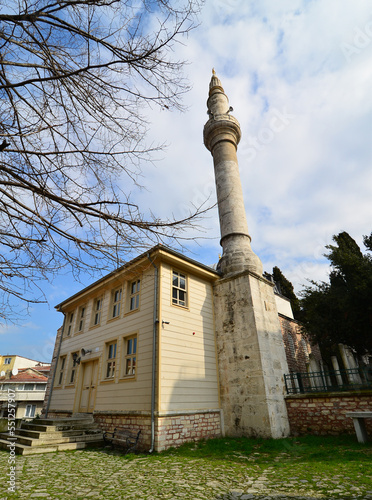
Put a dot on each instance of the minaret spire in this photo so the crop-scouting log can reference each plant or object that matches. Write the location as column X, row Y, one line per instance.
column 250, row 348
column 221, row 137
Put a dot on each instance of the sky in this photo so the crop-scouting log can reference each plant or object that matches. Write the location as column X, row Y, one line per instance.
column 298, row 75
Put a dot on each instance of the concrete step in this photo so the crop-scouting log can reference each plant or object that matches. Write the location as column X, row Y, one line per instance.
column 58, row 426
column 71, row 432
column 52, row 439
column 48, row 435
column 22, row 449
column 62, row 421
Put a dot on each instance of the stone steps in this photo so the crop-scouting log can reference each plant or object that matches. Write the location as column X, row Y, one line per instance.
column 48, row 435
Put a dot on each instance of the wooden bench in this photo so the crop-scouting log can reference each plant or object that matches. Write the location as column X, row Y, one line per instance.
column 122, row 438
column 359, row 424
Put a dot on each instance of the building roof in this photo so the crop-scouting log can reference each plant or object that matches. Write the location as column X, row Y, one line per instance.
column 160, row 250
column 25, row 375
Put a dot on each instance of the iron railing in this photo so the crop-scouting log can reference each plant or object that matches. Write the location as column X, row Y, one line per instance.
column 329, row 380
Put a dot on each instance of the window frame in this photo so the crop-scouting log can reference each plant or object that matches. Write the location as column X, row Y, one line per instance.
column 116, row 304
column 72, row 370
column 134, row 295
column 70, row 324
column 61, row 370
column 80, row 323
column 97, row 311
column 33, row 411
column 130, row 340
column 110, row 365
column 7, row 361
column 176, row 301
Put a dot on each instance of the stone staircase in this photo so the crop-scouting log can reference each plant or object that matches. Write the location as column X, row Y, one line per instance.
column 54, row 434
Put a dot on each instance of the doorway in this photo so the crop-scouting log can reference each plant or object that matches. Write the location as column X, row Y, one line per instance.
column 89, row 387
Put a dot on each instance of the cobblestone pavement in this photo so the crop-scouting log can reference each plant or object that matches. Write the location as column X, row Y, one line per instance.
column 101, row 475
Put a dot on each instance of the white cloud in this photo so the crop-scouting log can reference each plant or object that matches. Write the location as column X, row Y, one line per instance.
column 312, row 178
column 307, row 179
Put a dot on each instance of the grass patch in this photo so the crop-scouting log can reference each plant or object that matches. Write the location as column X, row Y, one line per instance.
column 301, row 449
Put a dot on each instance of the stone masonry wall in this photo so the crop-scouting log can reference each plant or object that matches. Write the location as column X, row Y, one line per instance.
column 51, row 372
column 297, row 348
column 178, row 429
column 325, row 414
column 132, row 422
column 169, row 430
column 251, row 357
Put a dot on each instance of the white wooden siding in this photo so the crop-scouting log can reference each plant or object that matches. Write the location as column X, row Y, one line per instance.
column 188, row 371
column 130, row 394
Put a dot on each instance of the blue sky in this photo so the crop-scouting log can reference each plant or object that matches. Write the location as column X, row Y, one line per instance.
column 298, row 76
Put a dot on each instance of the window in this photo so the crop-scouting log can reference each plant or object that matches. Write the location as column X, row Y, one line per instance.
column 73, row 369
column 29, row 387
column 69, row 324
column 81, row 319
column 97, row 311
column 130, row 356
column 7, row 361
column 116, row 302
column 111, row 359
column 30, row 411
column 134, row 295
column 61, row 368
column 179, row 292
column 40, row 387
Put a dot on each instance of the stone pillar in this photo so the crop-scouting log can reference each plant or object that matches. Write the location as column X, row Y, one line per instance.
column 250, row 347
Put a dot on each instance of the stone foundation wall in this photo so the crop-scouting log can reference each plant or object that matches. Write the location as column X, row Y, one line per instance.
column 178, row 429
column 325, row 414
column 170, row 430
column 58, row 414
column 132, row 422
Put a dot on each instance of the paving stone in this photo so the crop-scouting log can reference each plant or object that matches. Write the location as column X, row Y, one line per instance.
column 99, row 475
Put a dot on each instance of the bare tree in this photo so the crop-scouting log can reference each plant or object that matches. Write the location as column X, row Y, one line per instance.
column 74, row 77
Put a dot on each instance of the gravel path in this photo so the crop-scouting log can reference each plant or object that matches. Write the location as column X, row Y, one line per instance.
column 101, row 475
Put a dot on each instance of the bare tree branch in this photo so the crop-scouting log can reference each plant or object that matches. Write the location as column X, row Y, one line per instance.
column 74, row 79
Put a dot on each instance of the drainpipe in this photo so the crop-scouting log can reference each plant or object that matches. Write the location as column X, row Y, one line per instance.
column 55, row 369
column 155, row 327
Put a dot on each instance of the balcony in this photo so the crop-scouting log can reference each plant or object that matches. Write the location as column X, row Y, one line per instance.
column 22, row 395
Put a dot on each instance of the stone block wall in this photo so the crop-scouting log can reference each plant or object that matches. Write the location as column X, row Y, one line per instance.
column 132, row 422
column 51, row 372
column 170, row 431
column 297, row 349
column 178, row 429
column 325, row 414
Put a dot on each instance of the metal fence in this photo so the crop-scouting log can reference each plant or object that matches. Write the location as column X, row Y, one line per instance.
column 329, row 381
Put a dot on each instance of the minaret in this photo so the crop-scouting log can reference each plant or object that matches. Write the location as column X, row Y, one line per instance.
column 250, row 348
column 221, row 136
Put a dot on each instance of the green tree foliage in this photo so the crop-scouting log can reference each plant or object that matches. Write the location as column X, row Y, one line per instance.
column 341, row 311
column 286, row 289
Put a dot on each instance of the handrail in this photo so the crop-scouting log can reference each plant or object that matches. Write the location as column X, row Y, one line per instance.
column 352, row 379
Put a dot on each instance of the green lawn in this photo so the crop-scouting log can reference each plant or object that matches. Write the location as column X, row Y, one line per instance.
column 219, row 469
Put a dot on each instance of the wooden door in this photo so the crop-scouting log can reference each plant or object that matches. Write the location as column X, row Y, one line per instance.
column 89, row 387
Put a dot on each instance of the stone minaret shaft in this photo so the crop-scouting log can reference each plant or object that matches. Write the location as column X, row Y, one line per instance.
column 221, row 136
column 250, row 348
